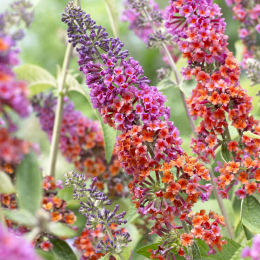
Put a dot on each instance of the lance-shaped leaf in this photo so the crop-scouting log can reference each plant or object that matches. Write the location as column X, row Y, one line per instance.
column 21, row 216
column 38, row 79
column 29, row 184
column 61, row 230
column 251, row 214
column 62, row 251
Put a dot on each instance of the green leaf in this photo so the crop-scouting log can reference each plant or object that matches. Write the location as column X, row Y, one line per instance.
column 251, row 214
column 251, row 135
column 225, row 154
column 144, row 250
column 237, row 254
column 131, row 214
column 196, row 252
column 126, row 253
column 45, row 255
column 29, row 184
column 111, row 7
column 249, row 235
column 62, row 251
column 61, row 230
column 165, row 84
column 6, row 185
column 226, row 253
column 105, row 257
column 21, row 216
column 109, row 139
column 38, row 78
column 239, row 47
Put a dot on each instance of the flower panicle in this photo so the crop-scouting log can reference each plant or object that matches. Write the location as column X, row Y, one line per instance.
column 93, row 207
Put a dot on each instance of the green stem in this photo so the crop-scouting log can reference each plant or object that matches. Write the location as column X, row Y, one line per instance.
column 221, row 205
column 59, row 109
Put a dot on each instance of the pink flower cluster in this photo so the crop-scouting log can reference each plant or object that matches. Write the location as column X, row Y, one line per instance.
column 14, row 248
column 253, row 252
column 248, row 14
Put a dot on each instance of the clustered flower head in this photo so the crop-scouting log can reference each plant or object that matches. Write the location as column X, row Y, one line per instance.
column 94, row 207
column 81, row 143
column 247, row 12
column 166, row 182
column 13, row 247
column 218, row 96
column 253, row 252
column 13, row 94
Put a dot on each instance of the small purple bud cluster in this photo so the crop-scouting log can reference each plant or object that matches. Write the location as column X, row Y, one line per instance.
column 93, row 207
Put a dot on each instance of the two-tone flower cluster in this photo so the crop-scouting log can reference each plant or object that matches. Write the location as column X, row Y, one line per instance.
column 248, row 14
column 167, row 182
column 51, row 203
column 13, row 247
column 218, row 96
column 13, row 92
column 81, row 143
column 105, row 223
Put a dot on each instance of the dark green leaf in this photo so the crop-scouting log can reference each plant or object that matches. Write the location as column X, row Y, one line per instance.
column 21, row 216
column 226, row 253
column 62, row 251
column 6, row 185
column 29, row 184
column 61, row 230
column 248, row 234
column 251, row 214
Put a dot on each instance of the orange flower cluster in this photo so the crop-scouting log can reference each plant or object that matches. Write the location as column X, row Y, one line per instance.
column 50, row 203
column 88, row 242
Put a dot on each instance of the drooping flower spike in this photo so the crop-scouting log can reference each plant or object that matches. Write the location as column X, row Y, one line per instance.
column 149, row 145
column 82, row 143
column 200, row 33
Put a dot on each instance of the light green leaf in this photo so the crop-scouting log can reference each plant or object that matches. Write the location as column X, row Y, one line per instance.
column 251, row 135
column 111, row 7
column 105, row 257
column 131, row 214
column 38, row 79
column 165, row 84
column 6, row 185
column 62, row 251
column 21, row 216
column 237, row 254
column 251, row 214
column 196, row 252
column 61, row 230
column 29, row 184
column 45, row 255
column 239, row 47
column 126, row 253
column 226, row 253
